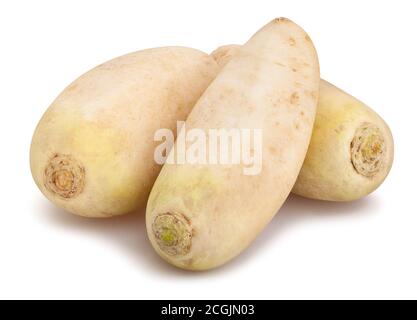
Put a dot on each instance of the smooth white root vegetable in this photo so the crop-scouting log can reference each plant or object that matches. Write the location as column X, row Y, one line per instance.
column 351, row 149
column 92, row 152
column 201, row 216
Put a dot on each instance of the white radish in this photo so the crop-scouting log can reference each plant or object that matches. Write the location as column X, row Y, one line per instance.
column 199, row 216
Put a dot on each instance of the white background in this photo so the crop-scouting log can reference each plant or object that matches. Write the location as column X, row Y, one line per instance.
column 365, row 249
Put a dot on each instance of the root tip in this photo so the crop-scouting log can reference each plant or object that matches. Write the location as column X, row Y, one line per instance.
column 368, row 150
column 173, row 233
column 64, row 176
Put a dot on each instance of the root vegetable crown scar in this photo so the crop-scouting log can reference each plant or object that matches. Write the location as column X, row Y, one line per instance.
column 173, row 233
column 368, row 150
column 64, row 176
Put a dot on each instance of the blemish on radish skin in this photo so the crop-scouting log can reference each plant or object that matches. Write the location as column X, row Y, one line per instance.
column 292, row 42
column 311, row 94
column 278, row 20
column 280, row 64
column 295, row 98
column 273, row 150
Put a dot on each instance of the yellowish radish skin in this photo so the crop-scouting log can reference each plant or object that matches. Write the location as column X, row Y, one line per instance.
column 201, row 216
column 351, row 149
column 92, row 152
